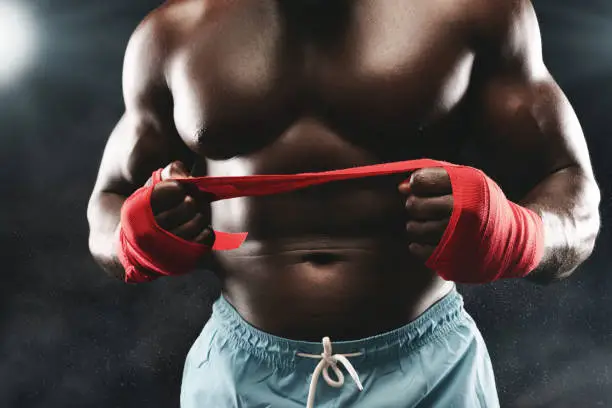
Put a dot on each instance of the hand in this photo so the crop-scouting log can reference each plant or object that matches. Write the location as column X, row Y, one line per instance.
column 429, row 205
column 180, row 210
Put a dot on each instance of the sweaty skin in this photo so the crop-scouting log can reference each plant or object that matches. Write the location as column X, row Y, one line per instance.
column 245, row 87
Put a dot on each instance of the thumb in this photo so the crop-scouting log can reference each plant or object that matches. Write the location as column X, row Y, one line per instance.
column 406, row 185
column 176, row 169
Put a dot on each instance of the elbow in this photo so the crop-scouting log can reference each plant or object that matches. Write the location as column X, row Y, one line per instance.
column 107, row 262
column 102, row 245
column 555, row 271
column 573, row 258
column 96, row 253
column 93, row 238
column 95, row 250
column 575, row 254
column 578, row 246
column 585, row 248
column 581, row 242
column 588, row 224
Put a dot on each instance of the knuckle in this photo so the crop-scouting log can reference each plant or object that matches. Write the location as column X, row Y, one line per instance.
column 440, row 172
column 418, row 178
column 178, row 169
column 416, row 206
column 174, row 168
column 207, row 236
column 411, row 227
column 188, row 208
column 410, row 201
column 198, row 221
column 450, row 201
column 194, row 228
column 189, row 200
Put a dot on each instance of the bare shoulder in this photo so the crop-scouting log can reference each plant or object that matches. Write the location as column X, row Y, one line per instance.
column 158, row 31
column 507, row 22
column 153, row 43
column 177, row 15
column 164, row 27
column 181, row 16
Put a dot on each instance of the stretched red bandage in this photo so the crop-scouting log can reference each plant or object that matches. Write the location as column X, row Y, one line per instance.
column 487, row 238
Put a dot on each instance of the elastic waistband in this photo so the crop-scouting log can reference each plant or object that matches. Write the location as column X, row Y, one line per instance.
column 440, row 319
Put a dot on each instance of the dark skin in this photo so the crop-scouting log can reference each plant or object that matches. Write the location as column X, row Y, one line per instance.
column 273, row 87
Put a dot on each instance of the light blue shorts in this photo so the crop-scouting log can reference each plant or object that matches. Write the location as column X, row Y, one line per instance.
column 438, row 360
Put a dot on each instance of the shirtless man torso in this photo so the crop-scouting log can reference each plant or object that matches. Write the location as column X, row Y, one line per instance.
column 251, row 87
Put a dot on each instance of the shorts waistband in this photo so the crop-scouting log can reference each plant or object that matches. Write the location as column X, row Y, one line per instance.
column 436, row 322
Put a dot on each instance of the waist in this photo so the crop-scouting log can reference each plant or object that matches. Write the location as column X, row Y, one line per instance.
column 344, row 288
column 440, row 318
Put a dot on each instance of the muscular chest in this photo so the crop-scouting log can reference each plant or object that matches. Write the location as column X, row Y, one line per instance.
column 370, row 73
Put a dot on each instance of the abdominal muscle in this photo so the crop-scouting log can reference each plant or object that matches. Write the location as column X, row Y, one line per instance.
column 326, row 261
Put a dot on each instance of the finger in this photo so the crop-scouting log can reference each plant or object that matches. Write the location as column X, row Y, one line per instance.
column 430, row 182
column 178, row 215
column 422, row 252
column 166, row 195
column 426, row 232
column 429, row 209
column 206, row 237
column 192, row 228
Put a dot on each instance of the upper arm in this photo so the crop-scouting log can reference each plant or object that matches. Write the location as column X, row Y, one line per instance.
column 145, row 138
column 522, row 120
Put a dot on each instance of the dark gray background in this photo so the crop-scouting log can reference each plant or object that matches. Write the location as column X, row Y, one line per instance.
column 71, row 337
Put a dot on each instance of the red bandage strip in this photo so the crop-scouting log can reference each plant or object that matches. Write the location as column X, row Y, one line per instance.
column 146, row 250
column 222, row 188
column 487, row 238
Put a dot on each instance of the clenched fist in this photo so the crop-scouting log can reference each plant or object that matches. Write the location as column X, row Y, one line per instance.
column 429, row 205
column 180, row 209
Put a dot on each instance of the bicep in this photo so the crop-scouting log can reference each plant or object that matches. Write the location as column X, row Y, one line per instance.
column 529, row 130
column 145, row 138
column 523, row 122
column 135, row 148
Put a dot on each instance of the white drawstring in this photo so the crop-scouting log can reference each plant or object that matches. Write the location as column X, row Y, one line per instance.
column 330, row 360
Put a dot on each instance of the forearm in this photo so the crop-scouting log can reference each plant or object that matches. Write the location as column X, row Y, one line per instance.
column 568, row 203
column 104, row 214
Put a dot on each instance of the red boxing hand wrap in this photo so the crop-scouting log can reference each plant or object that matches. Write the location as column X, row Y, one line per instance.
column 147, row 251
column 488, row 237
